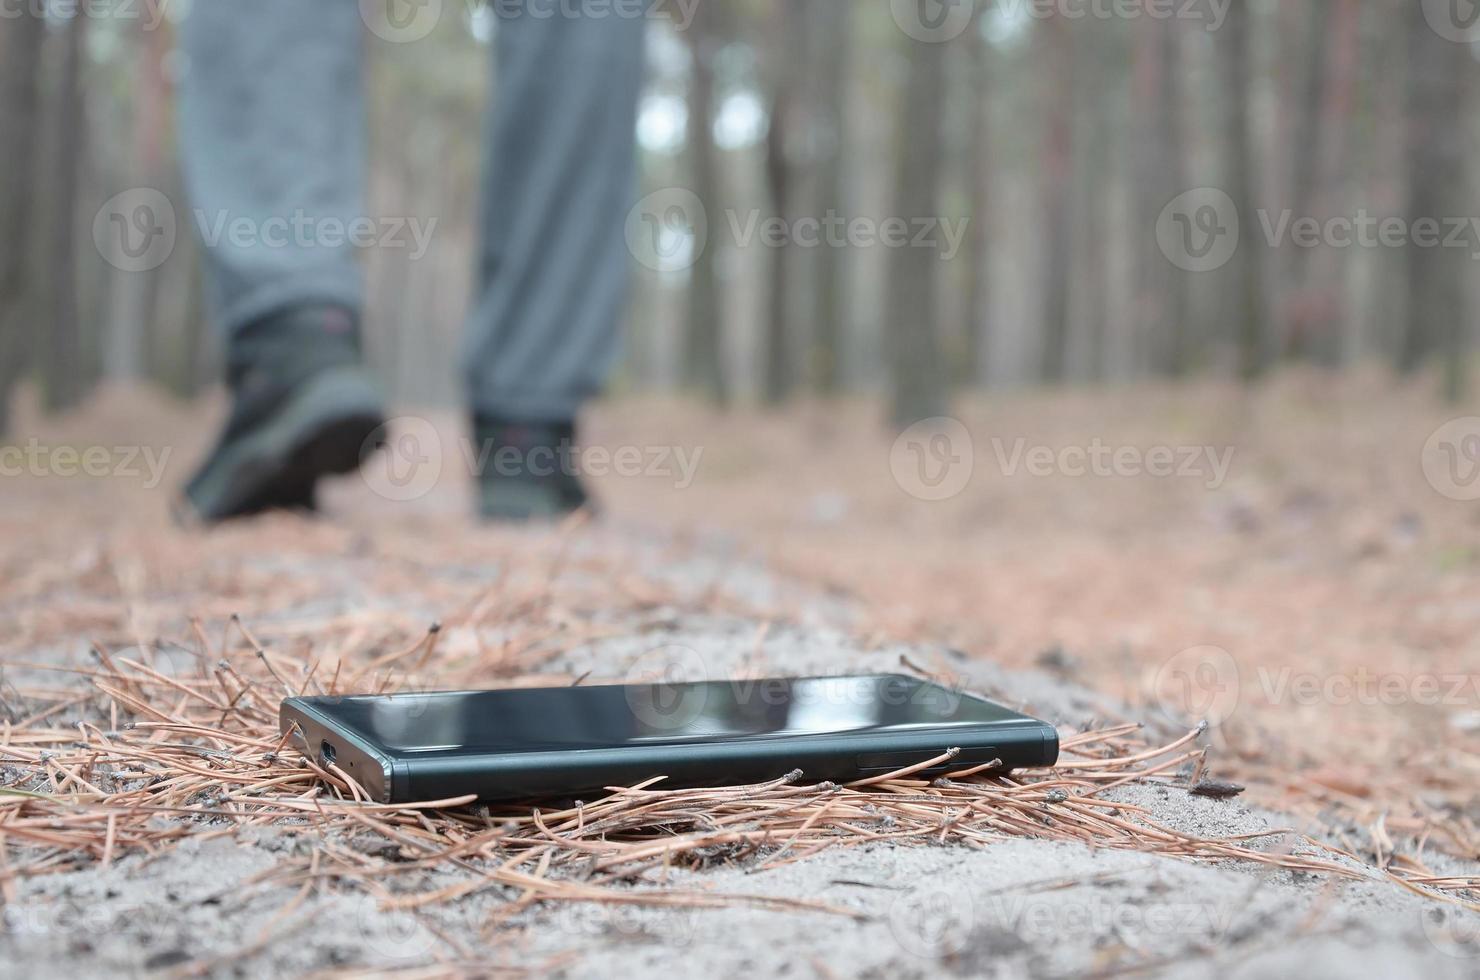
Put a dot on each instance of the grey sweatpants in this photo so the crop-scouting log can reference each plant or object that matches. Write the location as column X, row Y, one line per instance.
column 272, row 124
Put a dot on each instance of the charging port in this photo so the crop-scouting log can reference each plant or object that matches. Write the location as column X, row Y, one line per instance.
column 326, row 754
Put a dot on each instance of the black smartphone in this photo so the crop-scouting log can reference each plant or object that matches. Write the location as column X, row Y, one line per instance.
column 525, row 743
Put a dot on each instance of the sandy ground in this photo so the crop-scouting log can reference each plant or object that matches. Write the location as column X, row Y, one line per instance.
column 1323, row 547
column 1020, row 907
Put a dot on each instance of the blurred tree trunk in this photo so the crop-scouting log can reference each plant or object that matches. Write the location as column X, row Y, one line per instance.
column 979, row 176
column 1159, row 176
column 1092, row 174
column 704, row 350
column 127, row 355
column 788, row 51
column 832, row 35
column 164, row 333
column 61, row 336
column 1313, row 309
column 1056, row 62
column 1311, row 50
column 1376, row 301
column 1243, row 299
column 1439, row 73
column 919, row 383
column 20, row 122
column 180, row 297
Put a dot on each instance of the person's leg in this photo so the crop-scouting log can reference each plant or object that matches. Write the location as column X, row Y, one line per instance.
column 560, row 176
column 272, row 132
column 272, row 145
column 552, row 276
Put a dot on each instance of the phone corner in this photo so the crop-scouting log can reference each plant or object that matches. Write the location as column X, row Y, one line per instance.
column 290, row 712
column 1050, row 745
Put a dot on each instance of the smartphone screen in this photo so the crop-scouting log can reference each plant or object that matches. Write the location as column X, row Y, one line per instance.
column 533, row 720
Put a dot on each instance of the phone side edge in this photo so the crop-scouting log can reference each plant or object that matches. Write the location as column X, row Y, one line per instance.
column 1050, row 745
column 372, row 769
column 1030, row 744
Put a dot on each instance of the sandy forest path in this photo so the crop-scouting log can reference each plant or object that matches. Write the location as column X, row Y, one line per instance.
column 1071, row 598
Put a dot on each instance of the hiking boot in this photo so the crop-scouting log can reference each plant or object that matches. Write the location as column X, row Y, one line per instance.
column 527, row 471
column 303, row 407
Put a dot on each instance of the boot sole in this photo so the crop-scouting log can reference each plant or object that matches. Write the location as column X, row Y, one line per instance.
column 326, row 429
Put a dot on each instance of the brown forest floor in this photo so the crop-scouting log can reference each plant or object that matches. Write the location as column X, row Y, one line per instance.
column 1325, row 551
column 1323, row 601
column 1334, row 592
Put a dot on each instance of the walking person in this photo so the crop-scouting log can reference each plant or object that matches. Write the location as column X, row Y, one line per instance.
column 272, row 125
